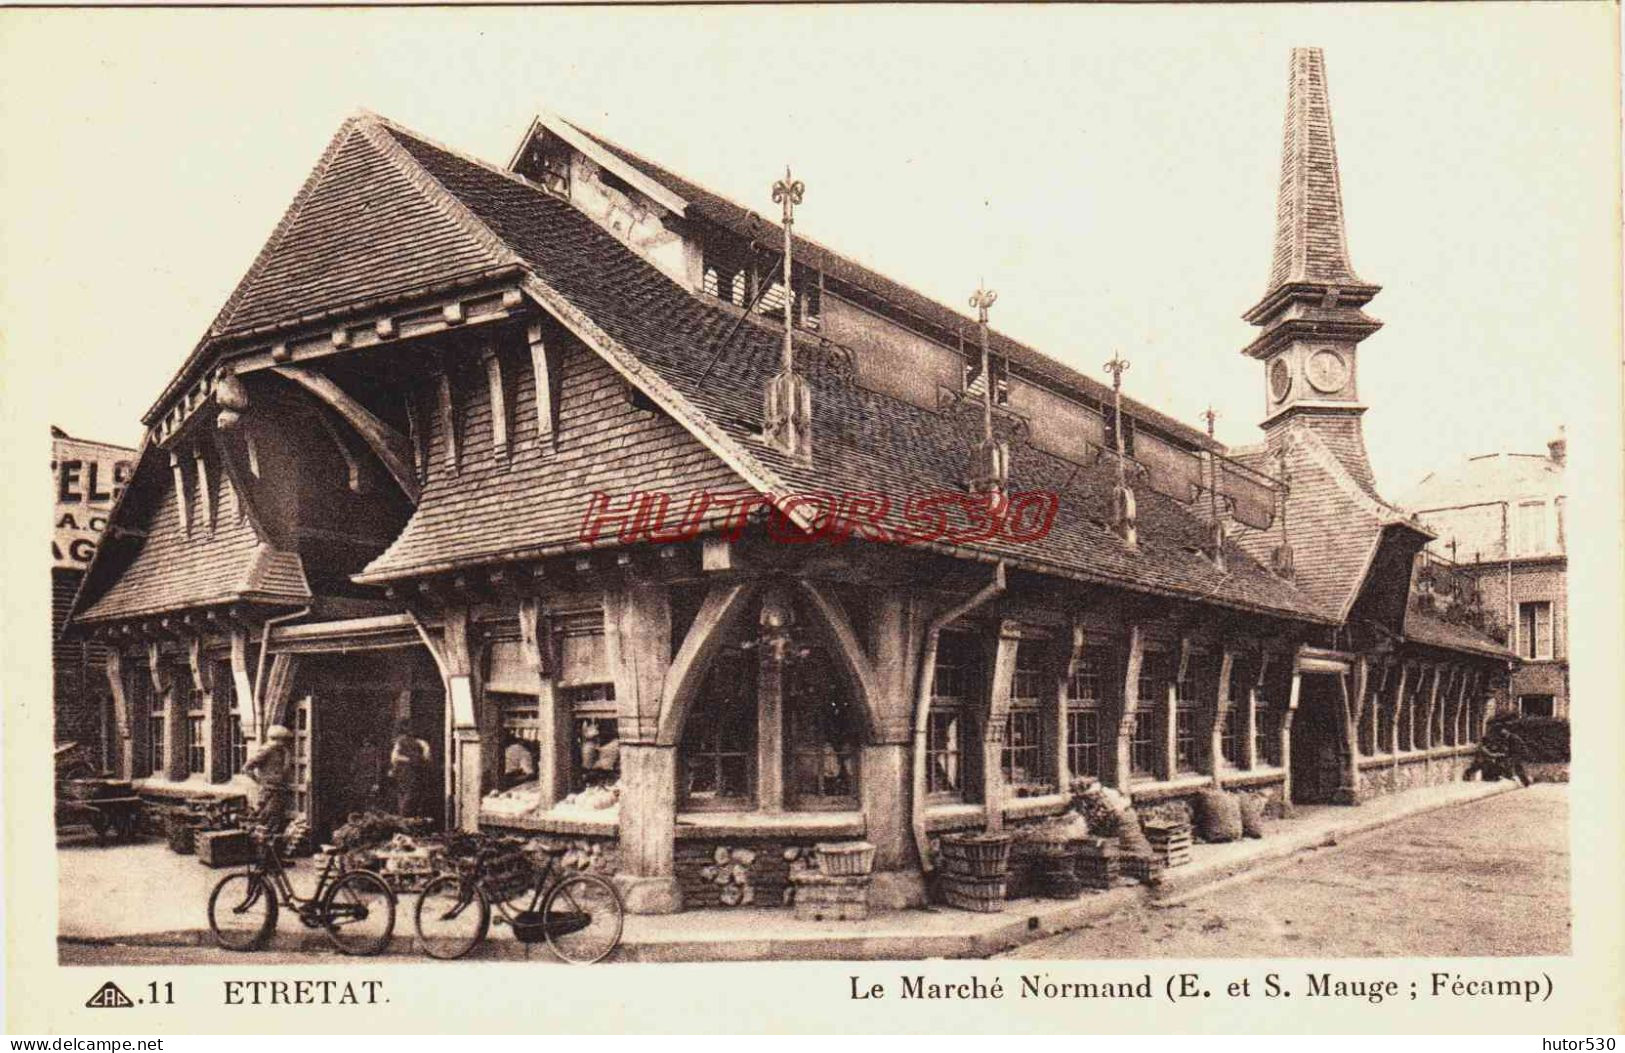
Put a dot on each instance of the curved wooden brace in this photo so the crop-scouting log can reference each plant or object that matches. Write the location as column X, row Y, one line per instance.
column 848, row 651
column 354, row 478
column 391, row 447
column 722, row 607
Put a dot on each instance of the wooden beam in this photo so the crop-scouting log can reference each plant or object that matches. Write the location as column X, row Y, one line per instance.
column 448, row 418
column 204, row 489
column 544, row 364
column 390, row 446
column 723, row 605
column 202, row 672
column 183, row 504
column 499, row 400
column 352, row 464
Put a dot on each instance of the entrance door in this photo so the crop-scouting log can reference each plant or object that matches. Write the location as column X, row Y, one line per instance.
column 1317, row 740
column 304, row 713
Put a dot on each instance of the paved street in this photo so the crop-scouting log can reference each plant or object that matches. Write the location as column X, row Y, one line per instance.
column 1486, row 878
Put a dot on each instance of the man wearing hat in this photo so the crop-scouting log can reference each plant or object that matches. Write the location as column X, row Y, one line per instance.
column 272, row 768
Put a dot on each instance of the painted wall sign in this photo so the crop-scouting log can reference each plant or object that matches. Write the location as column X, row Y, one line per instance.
column 86, row 478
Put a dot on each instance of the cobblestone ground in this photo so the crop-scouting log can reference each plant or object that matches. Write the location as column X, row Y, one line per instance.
column 1488, row 878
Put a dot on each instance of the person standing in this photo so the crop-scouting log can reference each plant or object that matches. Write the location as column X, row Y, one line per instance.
column 272, row 769
column 408, row 771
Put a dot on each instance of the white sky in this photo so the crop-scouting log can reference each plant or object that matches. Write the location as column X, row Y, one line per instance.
column 1111, row 172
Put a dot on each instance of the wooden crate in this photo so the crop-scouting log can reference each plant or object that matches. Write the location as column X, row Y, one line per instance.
column 224, row 848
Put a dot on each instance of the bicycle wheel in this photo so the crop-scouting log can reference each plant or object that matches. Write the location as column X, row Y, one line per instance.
column 242, row 911
column 582, row 918
column 451, row 918
column 359, row 913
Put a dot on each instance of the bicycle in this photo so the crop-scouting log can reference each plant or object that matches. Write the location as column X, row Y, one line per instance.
column 355, row 908
column 580, row 915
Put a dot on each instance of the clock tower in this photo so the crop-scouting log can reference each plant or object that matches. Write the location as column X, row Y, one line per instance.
column 1311, row 315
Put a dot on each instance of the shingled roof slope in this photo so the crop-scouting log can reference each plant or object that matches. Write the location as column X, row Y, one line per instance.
column 742, row 221
column 1425, row 628
column 863, row 442
column 173, row 569
column 1311, row 242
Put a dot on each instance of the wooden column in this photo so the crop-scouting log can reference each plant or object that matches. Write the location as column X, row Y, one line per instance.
column 123, row 719
column 1348, row 791
column 637, row 622
column 553, row 755
column 1286, row 740
column 465, row 758
column 1123, row 766
column 242, row 680
column 1220, row 717
column 277, row 690
column 173, row 764
column 1399, row 708
column 216, row 718
column 994, row 791
column 886, row 777
column 1066, row 658
column 1427, row 713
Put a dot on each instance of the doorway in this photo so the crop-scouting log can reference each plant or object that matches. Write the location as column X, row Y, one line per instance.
column 1319, row 744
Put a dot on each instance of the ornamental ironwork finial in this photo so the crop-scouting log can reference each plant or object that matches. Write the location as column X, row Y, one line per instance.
column 789, row 192
column 1210, row 415
column 982, row 299
column 1117, row 367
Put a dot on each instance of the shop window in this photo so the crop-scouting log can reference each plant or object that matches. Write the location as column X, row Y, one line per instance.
column 956, row 689
column 522, row 736
column 225, row 692
column 1186, row 708
column 157, row 754
column 1152, row 693
column 1535, row 630
column 1232, row 740
column 595, row 740
column 821, row 733
column 1085, row 695
column 1267, row 736
column 1024, row 759
column 718, row 754
column 1536, row 705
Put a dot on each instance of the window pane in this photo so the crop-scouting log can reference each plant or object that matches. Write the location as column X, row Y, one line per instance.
column 718, row 751
column 822, row 729
column 943, row 762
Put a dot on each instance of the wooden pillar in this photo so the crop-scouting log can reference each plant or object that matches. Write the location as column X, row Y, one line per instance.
column 886, row 777
column 994, row 791
column 637, row 622
column 278, row 690
column 1398, row 707
column 647, row 878
column 1219, row 719
column 164, row 686
column 216, row 717
column 1286, row 740
column 1427, row 713
column 242, row 681
column 1123, row 766
column 1065, row 659
column 553, row 755
column 464, row 755
column 1348, row 790
column 123, row 719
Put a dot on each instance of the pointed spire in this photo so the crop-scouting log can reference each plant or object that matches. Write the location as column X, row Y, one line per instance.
column 1311, row 244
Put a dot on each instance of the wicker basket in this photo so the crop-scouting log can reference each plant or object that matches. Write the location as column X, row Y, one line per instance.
column 983, row 855
column 845, row 858
column 984, row 896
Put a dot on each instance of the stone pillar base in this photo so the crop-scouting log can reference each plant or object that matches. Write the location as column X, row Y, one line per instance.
column 649, row 895
column 896, row 890
column 1346, row 795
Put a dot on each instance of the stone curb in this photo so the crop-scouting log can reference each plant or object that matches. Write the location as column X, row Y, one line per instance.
column 1023, row 922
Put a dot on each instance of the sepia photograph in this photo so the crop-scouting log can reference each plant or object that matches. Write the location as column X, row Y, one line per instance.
column 815, row 484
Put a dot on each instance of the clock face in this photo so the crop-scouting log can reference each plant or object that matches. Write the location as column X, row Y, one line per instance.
column 1280, row 379
column 1327, row 371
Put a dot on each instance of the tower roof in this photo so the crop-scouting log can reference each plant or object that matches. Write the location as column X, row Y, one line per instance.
column 1310, row 242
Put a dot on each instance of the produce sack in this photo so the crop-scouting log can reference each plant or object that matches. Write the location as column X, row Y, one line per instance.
column 1218, row 816
column 1252, row 814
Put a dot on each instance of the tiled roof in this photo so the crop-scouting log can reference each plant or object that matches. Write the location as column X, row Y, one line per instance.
column 172, row 570
column 742, row 221
column 863, row 442
column 1425, row 628
column 1310, row 242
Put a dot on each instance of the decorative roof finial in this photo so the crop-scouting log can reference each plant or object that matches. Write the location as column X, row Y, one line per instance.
column 787, row 403
column 1123, row 498
column 990, row 465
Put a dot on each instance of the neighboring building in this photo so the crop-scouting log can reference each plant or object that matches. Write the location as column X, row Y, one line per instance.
column 1499, row 519
column 469, row 449
column 86, row 479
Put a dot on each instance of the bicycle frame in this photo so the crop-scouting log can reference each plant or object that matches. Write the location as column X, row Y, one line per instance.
column 270, row 867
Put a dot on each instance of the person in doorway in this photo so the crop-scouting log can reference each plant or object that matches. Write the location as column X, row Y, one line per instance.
column 272, row 769
column 366, row 775
column 408, row 771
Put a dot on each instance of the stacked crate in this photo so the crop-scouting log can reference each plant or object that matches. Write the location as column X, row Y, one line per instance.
column 1170, row 842
column 1099, row 864
column 836, row 888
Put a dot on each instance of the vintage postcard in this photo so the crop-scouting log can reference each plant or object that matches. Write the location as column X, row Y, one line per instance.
column 1018, row 518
